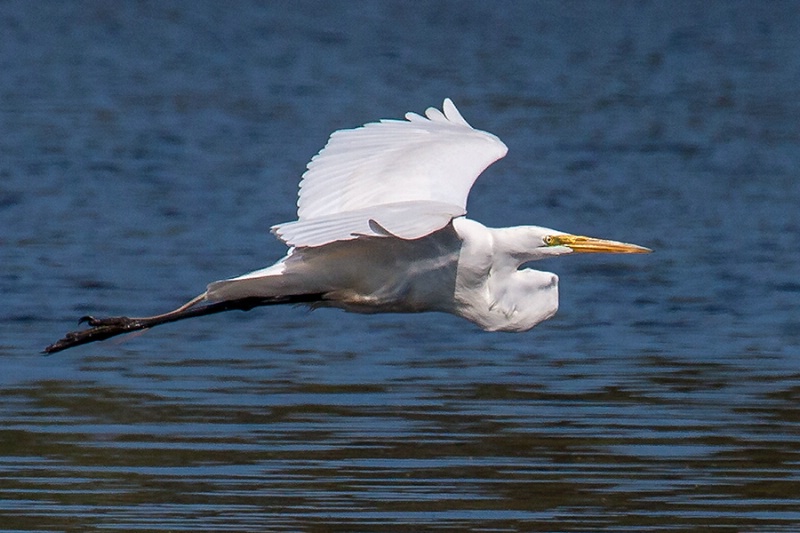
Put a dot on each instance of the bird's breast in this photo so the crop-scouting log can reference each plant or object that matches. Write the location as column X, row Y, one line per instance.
column 515, row 301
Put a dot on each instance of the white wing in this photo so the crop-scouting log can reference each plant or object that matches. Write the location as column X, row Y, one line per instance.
column 405, row 178
column 406, row 220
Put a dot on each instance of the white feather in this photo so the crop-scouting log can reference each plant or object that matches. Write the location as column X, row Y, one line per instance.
column 406, row 220
column 430, row 160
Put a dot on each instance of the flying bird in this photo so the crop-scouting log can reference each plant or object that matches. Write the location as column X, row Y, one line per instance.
column 381, row 227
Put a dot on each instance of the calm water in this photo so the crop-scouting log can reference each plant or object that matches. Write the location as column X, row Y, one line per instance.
column 145, row 149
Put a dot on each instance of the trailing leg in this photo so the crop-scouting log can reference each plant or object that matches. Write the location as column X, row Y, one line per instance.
column 105, row 328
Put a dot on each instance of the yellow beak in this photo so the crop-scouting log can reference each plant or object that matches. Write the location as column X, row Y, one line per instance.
column 590, row 245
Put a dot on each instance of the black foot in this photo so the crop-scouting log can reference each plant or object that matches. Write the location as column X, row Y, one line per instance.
column 115, row 321
column 100, row 329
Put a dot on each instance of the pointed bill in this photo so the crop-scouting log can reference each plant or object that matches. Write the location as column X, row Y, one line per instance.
column 589, row 245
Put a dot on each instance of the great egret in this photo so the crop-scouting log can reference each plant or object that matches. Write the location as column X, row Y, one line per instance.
column 381, row 228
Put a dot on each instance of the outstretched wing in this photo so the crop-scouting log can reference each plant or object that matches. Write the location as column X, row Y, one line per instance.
column 405, row 178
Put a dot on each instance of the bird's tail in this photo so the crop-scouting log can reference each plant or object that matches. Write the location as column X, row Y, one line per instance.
column 105, row 328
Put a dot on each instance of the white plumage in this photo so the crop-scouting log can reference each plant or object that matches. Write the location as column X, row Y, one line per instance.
column 411, row 177
column 381, row 228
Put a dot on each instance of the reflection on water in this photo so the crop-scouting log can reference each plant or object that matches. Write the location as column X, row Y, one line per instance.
column 145, row 149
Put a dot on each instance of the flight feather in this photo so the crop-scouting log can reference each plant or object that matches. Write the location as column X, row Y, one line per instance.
column 415, row 173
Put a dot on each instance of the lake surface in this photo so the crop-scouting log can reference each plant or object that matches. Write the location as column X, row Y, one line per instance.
column 146, row 148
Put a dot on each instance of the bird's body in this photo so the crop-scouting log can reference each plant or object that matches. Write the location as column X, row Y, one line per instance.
column 462, row 269
column 381, row 228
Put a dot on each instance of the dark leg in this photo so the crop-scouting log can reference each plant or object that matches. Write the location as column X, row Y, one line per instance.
column 104, row 328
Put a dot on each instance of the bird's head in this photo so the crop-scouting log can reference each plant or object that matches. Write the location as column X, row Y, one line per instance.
column 528, row 243
column 568, row 243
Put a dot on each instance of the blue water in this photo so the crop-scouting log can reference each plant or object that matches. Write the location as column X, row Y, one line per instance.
column 146, row 148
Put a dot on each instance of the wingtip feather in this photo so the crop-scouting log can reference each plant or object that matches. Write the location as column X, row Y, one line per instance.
column 452, row 114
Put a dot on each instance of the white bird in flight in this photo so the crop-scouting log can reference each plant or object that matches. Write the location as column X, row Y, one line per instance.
column 381, row 227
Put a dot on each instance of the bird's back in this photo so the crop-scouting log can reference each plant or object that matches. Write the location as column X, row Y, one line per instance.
column 365, row 275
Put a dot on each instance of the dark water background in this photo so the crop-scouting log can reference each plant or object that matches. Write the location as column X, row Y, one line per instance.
column 146, row 147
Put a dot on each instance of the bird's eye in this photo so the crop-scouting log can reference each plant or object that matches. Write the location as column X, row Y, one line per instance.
column 548, row 240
